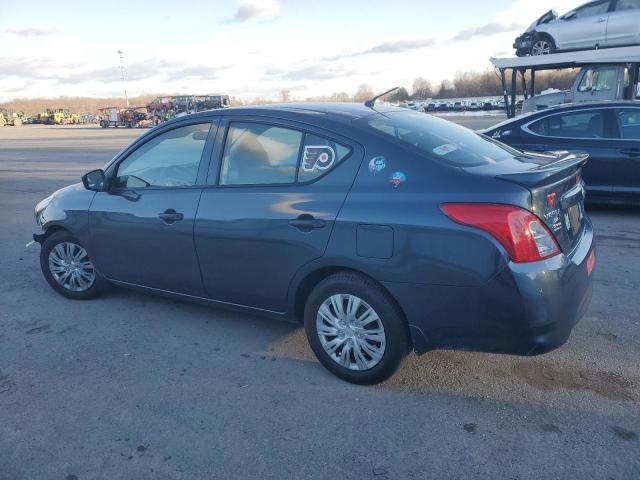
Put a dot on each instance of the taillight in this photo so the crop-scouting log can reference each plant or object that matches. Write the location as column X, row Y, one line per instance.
column 523, row 235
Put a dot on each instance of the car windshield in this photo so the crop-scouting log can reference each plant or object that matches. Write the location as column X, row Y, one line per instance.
column 441, row 140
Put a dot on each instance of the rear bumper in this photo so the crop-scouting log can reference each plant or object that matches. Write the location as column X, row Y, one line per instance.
column 526, row 309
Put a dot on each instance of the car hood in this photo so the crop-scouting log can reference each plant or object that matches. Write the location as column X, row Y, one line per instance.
column 546, row 18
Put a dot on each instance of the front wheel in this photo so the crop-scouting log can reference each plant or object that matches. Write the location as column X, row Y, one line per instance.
column 67, row 267
column 542, row 45
column 356, row 329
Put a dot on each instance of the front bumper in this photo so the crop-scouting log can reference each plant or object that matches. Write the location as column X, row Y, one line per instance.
column 526, row 309
column 523, row 42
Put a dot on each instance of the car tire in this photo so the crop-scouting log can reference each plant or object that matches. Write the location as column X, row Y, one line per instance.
column 374, row 361
column 77, row 279
column 542, row 45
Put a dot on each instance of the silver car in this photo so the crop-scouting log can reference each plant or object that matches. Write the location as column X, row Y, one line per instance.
column 597, row 24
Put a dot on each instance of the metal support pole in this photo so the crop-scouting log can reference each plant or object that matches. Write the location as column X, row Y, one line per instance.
column 533, row 82
column 514, row 87
column 524, row 84
column 633, row 81
column 504, row 91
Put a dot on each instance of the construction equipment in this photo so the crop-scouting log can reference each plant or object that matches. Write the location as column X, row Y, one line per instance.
column 13, row 119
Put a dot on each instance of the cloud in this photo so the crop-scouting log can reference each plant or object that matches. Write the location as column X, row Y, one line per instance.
column 398, row 46
column 254, row 9
column 491, row 28
column 314, row 71
column 31, row 31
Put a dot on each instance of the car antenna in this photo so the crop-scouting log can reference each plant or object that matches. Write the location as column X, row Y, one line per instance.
column 372, row 102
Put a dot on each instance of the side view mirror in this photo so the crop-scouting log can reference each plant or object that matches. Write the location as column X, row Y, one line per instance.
column 94, row 180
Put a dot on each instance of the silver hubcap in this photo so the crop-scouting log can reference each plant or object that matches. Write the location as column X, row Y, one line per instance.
column 541, row 47
column 71, row 267
column 351, row 332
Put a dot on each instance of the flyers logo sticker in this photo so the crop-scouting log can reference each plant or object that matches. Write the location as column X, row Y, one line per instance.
column 319, row 157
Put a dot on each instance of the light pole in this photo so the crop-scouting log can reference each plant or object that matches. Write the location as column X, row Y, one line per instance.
column 123, row 74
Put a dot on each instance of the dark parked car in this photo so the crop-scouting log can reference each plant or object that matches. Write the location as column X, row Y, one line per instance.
column 382, row 229
column 608, row 131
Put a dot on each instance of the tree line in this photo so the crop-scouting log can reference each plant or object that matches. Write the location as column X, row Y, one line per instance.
column 463, row 85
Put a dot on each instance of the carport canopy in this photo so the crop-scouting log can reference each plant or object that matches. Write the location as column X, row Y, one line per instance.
column 619, row 55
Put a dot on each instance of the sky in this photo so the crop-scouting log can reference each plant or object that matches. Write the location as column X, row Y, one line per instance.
column 251, row 48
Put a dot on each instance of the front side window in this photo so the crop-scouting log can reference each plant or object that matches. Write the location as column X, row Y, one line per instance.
column 629, row 121
column 170, row 159
column 257, row 153
column 440, row 140
column 591, row 9
column 597, row 80
column 585, row 124
column 624, row 5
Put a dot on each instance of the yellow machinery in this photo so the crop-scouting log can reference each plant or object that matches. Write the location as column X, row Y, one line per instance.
column 59, row 116
column 14, row 119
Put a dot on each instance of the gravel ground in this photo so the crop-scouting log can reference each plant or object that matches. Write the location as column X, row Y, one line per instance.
column 135, row 386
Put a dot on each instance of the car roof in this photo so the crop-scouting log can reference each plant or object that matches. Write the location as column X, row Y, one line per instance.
column 566, row 107
column 339, row 112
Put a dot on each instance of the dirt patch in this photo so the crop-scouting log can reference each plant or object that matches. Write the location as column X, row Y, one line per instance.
column 551, row 377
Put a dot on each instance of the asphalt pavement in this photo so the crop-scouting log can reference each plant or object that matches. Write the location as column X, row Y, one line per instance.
column 132, row 386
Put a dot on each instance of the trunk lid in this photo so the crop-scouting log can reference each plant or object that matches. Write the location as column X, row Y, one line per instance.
column 557, row 190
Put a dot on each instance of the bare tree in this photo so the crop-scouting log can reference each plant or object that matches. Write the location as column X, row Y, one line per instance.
column 364, row 93
column 285, row 96
column 421, row 89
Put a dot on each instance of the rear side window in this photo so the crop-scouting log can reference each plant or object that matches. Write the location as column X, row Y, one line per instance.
column 584, row 124
column 260, row 154
column 319, row 155
column 629, row 121
column 440, row 140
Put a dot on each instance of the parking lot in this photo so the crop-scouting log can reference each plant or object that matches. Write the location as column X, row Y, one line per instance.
column 135, row 386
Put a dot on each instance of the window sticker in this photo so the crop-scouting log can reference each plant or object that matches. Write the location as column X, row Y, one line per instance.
column 318, row 157
column 377, row 164
column 397, row 179
column 444, row 149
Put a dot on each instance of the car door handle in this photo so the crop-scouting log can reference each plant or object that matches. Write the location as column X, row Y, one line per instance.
column 631, row 152
column 602, row 19
column 306, row 222
column 170, row 216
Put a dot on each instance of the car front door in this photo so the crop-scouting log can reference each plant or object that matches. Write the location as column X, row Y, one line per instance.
column 142, row 226
column 585, row 27
column 623, row 27
column 276, row 191
column 582, row 130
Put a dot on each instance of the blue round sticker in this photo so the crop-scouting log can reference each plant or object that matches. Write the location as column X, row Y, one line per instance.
column 376, row 165
column 397, row 178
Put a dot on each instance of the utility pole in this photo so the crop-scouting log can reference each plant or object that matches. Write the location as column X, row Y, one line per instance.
column 123, row 74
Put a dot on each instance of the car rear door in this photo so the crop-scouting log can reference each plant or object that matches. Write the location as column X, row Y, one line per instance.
column 623, row 27
column 586, row 28
column 275, row 189
column 142, row 226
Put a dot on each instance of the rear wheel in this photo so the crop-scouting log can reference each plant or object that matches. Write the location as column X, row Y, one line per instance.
column 67, row 267
column 542, row 45
column 355, row 329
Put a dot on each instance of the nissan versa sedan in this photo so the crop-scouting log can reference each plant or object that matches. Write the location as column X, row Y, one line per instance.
column 383, row 230
column 597, row 24
column 608, row 131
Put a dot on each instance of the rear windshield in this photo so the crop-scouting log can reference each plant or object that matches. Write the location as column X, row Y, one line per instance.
column 441, row 140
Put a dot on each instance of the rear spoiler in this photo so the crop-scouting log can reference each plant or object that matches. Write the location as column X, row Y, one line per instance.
column 557, row 169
